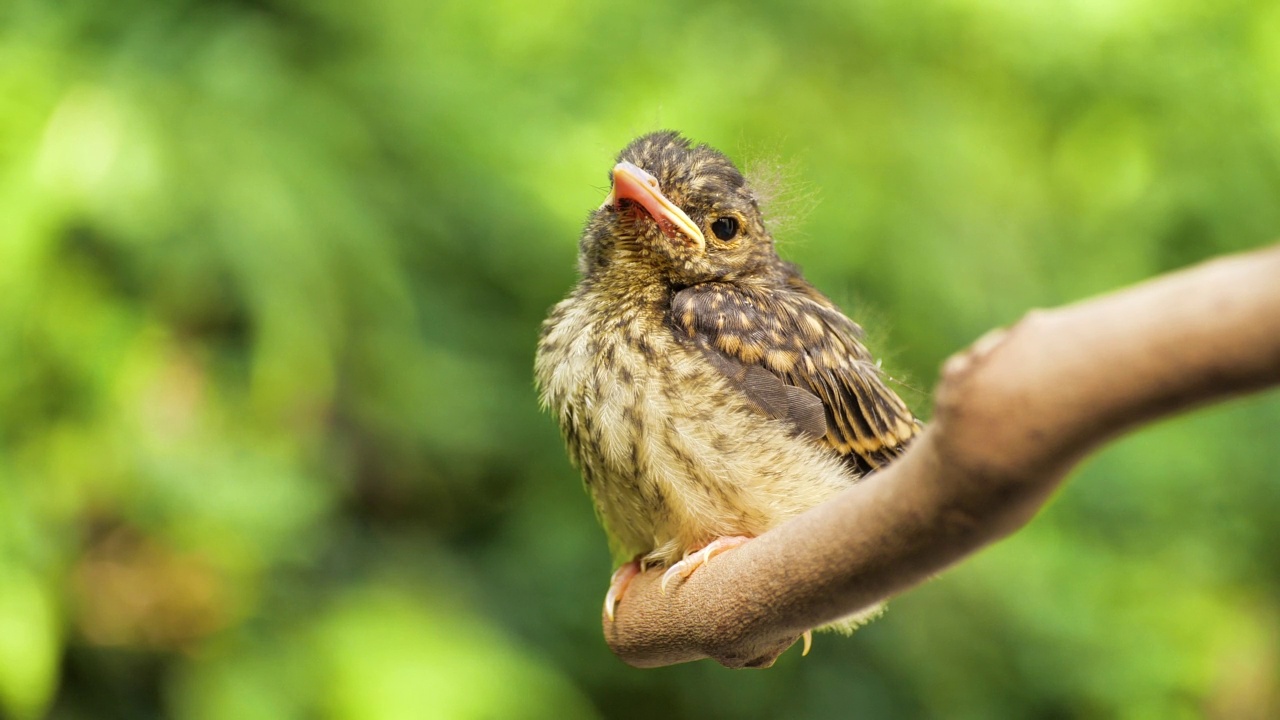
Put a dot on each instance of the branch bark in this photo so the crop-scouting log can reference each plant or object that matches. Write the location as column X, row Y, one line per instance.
column 1014, row 413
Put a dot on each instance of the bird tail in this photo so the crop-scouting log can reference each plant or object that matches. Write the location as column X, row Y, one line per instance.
column 846, row 625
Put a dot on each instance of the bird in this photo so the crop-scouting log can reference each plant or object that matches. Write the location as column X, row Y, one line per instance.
column 705, row 390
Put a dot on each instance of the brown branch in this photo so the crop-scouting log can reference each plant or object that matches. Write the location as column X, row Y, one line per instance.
column 1014, row 413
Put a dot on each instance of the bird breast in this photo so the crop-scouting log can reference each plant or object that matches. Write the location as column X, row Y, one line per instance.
column 672, row 454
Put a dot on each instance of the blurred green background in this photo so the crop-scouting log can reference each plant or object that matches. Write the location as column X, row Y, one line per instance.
column 271, row 274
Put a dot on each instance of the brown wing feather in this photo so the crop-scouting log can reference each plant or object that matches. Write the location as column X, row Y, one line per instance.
column 812, row 355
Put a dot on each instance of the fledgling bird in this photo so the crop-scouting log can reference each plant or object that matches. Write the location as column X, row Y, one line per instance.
column 704, row 388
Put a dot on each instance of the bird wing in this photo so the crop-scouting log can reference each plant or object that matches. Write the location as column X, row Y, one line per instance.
column 797, row 357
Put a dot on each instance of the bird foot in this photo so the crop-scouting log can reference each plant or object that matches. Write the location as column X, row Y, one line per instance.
column 691, row 562
column 618, row 584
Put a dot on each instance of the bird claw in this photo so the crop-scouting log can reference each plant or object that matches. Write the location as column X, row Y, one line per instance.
column 617, row 585
column 691, row 562
column 808, row 642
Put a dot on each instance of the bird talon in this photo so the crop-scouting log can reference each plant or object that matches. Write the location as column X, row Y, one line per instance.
column 617, row 585
column 674, row 570
column 808, row 642
column 696, row 559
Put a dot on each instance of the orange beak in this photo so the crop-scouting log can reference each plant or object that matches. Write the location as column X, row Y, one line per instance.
column 633, row 183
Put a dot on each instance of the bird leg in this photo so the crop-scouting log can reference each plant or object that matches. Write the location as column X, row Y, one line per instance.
column 618, row 585
column 702, row 556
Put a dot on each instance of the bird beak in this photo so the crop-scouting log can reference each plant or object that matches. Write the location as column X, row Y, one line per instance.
column 633, row 183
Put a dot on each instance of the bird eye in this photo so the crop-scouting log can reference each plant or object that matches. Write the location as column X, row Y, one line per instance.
column 725, row 228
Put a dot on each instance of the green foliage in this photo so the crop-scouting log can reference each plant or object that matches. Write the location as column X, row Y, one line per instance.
column 272, row 273
column 29, row 641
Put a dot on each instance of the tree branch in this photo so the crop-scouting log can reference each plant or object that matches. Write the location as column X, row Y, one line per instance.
column 1014, row 413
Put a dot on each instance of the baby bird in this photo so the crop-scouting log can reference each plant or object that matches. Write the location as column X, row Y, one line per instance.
column 704, row 388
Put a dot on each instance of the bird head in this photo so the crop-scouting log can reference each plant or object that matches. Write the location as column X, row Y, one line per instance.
column 679, row 213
